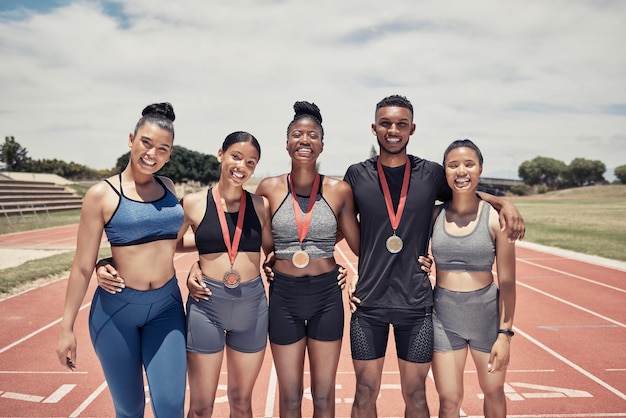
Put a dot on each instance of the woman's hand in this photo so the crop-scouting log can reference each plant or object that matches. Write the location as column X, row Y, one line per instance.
column 107, row 276
column 66, row 349
column 342, row 276
column 500, row 354
column 353, row 300
column 426, row 262
column 195, row 284
column 268, row 266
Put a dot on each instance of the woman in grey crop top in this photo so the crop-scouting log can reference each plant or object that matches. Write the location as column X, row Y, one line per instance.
column 469, row 310
column 306, row 308
column 147, row 318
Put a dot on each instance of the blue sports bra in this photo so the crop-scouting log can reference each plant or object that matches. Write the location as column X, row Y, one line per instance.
column 135, row 222
column 209, row 238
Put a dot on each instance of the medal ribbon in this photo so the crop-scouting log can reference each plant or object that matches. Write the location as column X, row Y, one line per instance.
column 303, row 225
column 394, row 217
column 234, row 247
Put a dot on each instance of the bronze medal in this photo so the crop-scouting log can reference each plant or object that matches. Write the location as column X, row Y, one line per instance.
column 231, row 279
column 394, row 244
column 300, row 259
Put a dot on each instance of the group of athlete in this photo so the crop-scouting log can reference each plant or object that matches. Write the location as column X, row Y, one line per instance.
column 385, row 208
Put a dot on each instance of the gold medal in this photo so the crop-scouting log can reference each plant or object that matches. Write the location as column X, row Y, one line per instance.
column 231, row 279
column 300, row 259
column 394, row 244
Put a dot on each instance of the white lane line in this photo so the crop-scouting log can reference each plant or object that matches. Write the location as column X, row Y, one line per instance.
column 575, row 276
column 271, row 393
column 571, row 364
column 589, row 311
column 32, row 334
column 22, row 397
column 88, row 401
column 59, row 393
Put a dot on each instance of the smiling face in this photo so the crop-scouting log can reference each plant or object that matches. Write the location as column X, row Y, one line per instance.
column 238, row 162
column 150, row 147
column 463, row 169
column 393, row 127
column 304, row 140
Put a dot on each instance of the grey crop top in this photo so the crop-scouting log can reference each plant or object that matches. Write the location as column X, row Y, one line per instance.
column 320, row 239
column 471, row 252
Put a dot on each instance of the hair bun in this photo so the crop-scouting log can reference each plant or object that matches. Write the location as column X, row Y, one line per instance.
column 309, row 109
column 164, row 109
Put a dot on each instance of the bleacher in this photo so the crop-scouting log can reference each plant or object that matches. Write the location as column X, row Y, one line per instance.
column 19, row 198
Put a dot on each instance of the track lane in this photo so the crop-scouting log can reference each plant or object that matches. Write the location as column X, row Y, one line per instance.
column 569, row 344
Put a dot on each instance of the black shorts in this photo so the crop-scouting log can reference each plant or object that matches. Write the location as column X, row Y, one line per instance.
column 412, row 329
column 309, row 306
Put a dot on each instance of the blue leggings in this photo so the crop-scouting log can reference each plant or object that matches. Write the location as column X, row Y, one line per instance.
column 136, row 328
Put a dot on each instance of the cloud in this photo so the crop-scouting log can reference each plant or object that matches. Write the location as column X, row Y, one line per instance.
column 520, row 79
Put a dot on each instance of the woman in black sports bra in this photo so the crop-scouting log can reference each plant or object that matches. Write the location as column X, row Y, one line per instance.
column 230, row 315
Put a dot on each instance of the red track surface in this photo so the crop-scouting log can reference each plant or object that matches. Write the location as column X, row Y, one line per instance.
column 568, row 357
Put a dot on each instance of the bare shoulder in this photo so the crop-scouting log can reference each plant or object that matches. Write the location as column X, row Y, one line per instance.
column 168, row 183
column 194, row 198
column 268, row 184
column 336, row 185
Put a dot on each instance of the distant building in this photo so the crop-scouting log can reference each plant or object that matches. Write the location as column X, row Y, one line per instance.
column 497, row 187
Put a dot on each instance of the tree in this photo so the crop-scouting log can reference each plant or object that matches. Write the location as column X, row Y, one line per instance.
column 583, row 172
column 620, row 173
column 14, row 156
column 184, row 165
column 373, row 152
column 542, row 170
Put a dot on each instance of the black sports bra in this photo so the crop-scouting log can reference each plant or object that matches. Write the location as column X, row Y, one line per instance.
column 209, row 239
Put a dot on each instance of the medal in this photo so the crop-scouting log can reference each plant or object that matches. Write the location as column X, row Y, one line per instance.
column 300, row 258
column 231, row 278
column 394, row 243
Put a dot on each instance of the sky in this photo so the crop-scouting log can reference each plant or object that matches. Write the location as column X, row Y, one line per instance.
column 521, row 79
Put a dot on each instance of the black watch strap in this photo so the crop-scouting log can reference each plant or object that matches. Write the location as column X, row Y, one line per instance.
column 508, row 332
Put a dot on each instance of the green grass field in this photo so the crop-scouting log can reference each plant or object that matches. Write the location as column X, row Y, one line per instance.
column 589, row 220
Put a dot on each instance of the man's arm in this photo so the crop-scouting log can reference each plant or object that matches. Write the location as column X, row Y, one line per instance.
column 510, row 218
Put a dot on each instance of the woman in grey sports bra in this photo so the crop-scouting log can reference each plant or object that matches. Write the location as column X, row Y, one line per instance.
column 306, row 308
column 469, row 309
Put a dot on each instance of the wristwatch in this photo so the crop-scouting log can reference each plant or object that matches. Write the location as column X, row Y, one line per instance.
column 508, row 332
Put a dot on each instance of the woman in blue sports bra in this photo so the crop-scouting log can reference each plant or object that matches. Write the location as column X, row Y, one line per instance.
column 471, row 313
column 143, row 325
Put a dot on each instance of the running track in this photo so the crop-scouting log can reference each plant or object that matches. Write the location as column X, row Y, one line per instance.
column 568, row 356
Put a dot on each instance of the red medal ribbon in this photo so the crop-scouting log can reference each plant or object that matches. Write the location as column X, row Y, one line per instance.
column 232, row 248
column 394, row 217
column 303, row 225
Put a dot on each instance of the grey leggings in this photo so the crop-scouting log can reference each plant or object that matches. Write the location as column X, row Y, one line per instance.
column 466, row 318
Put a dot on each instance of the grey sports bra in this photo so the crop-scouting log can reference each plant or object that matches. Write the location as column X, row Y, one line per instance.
column 320, row 239
column 474, row 251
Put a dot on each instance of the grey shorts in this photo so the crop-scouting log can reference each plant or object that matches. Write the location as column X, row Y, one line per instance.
column 234, row 317
column 466, row 318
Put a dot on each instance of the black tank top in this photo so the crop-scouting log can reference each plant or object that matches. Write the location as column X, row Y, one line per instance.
column 209, row 239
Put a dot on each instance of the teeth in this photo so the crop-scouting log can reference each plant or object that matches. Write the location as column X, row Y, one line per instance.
column 148, row 162
column 304, row 150
column 393, row 140
column 238, row 175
